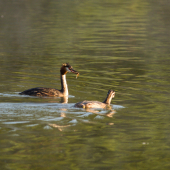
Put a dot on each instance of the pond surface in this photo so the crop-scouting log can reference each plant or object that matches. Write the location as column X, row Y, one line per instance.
column 120, row 45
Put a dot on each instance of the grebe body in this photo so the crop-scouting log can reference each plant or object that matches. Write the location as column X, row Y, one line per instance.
column 97, row 104
column 41, row 91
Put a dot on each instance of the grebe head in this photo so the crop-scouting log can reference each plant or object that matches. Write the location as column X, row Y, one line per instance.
column 109, row 97
column 111, row 94
column 66, row 67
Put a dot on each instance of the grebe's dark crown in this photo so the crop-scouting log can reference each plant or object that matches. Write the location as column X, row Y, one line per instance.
column 67, row 65
column 111, row 91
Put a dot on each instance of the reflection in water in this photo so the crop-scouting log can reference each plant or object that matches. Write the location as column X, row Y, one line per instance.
column 60, row 128
column 109, row 113
column 100, row 113
column 63, row 113
column 64, row 99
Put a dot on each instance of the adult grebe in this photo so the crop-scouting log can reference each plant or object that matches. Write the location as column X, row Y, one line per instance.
column 96, row 104
column 41, row 91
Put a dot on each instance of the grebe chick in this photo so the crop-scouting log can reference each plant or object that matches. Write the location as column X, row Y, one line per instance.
column 41, row 91
column 97, row 104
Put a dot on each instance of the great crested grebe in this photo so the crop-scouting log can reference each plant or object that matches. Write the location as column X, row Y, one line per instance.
column 41, row 91
column 97, row 104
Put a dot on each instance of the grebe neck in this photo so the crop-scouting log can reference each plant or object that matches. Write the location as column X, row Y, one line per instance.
column 64, row 88
column 108, row 99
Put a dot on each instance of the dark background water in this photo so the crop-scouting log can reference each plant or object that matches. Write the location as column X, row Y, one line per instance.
column 120, row 45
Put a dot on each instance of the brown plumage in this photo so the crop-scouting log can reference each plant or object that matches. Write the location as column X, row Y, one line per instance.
column 97, row 104
column 41, row 91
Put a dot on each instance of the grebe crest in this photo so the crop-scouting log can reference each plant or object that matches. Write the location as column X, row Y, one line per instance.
column 97, row 104
column 41, row 91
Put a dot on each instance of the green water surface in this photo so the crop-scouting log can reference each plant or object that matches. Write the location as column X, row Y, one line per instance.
column 120, row 45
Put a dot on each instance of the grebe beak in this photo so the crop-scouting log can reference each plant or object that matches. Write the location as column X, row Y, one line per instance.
column 73, row 71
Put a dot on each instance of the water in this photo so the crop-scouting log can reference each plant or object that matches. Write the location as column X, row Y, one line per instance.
column 116, row 45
